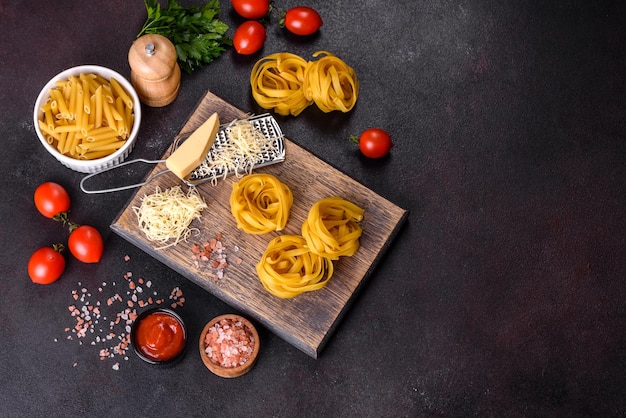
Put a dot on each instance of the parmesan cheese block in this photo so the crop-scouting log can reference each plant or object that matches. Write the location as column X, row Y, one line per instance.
column 192, row 152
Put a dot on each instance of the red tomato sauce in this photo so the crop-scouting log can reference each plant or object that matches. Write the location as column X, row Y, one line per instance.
column 160, row 336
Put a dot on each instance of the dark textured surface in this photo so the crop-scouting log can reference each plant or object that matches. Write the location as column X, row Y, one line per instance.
column 504, row 293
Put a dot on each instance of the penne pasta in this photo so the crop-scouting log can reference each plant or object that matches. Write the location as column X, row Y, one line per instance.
column 67, row 128
column 108, row 114
column 48, row 117
column 68, row 142
column 60, row 103
column 87, row 116
column 86, row 95
column 94, row 155
column 62, row 141
column 98, row 131
column 122, row 123
column 110, row 133
column 92, row 105
column 93, row 84
column 121, row 93
column 109, row 147
column 99, row 104
column 73, row 93
column 49, row 132
column 92, row 145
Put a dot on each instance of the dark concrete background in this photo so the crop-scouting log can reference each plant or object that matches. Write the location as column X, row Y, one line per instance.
column 504, row 293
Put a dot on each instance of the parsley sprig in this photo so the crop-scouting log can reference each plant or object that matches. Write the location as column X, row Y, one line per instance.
column 196, row 32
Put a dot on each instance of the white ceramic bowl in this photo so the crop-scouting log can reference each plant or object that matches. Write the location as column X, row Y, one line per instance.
column 90, row 166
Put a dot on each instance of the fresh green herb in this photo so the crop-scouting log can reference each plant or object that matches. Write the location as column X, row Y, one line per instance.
column 196, row 32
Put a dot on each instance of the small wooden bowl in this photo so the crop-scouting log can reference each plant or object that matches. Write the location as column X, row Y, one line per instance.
column 229, row 372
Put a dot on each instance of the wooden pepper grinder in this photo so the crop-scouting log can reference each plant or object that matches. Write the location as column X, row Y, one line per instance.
column 155, row 73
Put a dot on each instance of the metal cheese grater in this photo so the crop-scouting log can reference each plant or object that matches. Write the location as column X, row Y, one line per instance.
column 272, row 154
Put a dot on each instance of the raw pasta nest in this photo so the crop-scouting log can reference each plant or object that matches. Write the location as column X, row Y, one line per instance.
column 277, row 82
column 260, row 203
column 288, row 268
column 288, row 83
column 331, row 228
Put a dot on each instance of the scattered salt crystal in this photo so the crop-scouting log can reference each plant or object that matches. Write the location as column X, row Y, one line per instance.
column 88, row 314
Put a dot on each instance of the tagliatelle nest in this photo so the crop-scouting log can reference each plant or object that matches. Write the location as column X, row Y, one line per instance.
column 332, row 228
column 260, row 203
column 288, row 268
column 288, row 84
column 166, row 215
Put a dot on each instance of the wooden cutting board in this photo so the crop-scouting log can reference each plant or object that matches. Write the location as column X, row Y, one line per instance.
column 306, row 321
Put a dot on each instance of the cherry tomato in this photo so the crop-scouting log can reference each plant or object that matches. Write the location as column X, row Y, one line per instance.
column 46, row 264
column 302, row 20
column 85, row 243
column 51, row 199
column 249, row 37
column 375, row 143
column 251, row 9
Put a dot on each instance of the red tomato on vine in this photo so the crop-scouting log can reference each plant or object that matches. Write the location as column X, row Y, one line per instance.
column 374, row 142
column 86, row 244
column 46, row 264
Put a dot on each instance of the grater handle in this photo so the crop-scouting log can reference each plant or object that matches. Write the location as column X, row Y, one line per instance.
column 126, row 187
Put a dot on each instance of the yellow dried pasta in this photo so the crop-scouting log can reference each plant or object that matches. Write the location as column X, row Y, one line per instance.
column 330, row 83
column 288, row 268
column 288, row 84
column 277, row 83
column 332, row 228
column 82, row 105
column 260, row 203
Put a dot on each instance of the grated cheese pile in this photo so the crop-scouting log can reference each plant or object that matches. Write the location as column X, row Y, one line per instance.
column 166, row 215
column 242, row 149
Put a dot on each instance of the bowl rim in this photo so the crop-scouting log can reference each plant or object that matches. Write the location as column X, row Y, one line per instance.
column 151, row 311
column 230, row 372
column 107, row 73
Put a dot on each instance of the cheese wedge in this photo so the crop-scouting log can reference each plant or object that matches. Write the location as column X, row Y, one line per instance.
column 192, row 151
